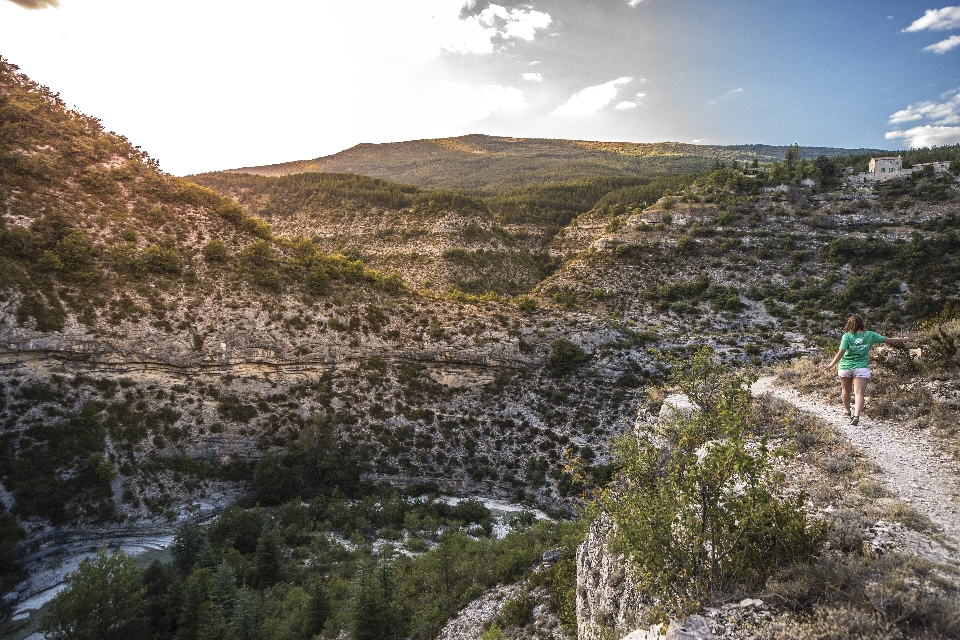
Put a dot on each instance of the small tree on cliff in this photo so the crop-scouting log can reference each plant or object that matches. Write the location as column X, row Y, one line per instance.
column 697, row 503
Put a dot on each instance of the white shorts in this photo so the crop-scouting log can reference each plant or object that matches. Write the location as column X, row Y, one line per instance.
column 860, row 372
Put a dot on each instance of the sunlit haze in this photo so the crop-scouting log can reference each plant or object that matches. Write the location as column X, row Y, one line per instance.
column 214, row 84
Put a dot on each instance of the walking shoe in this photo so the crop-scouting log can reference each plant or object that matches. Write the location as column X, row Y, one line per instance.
column 854, row 420
column 846, row 414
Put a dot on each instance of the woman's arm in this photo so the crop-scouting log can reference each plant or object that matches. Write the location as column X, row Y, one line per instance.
column 897, row 340
column 835, row 360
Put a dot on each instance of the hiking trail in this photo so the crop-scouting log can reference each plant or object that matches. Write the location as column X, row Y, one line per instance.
column 914, row 471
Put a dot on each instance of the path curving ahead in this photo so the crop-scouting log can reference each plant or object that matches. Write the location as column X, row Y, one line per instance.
column 914, row 471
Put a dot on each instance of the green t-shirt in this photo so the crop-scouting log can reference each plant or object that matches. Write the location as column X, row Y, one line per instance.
column 856, row 348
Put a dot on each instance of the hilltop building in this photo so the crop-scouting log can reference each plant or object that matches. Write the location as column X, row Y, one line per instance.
column 885, row 168
column 938, row 167
column 890, row 167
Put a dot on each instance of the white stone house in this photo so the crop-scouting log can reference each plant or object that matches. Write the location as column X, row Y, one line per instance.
column 938, row 167
column 885, row 168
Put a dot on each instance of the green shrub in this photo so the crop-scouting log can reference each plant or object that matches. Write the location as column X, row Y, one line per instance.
column 565, row 358
column 230, row 210
column 47, row 312
column 516, row 612
column 216, row 251
column 698, row 508
column 232, row 408
column 160, row 260
column 526, row 304
column 259, row 228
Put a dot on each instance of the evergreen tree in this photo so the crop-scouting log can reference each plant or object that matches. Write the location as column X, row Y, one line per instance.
column 374, row 615
column 205, row 556
column 159, row 578
column 223, row 588
column 194, row 594
column 186, row 547
column 317, row 610
column 791, row 159
column 213, row 624
column 244, row 624
column 268, row 559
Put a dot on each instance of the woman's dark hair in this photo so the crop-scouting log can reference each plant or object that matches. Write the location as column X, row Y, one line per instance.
column 854, row 324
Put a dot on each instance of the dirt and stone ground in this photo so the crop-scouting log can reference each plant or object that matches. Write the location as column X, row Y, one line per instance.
column 914, row 472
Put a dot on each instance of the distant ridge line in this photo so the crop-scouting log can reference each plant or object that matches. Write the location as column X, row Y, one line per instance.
column 488, row 165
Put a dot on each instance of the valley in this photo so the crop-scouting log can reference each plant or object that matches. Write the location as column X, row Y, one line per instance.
column 317, row 351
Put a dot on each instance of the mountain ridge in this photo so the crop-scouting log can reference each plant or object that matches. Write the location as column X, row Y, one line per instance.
column 464, row 162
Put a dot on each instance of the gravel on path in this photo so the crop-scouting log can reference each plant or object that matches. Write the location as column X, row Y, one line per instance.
column 914, row 471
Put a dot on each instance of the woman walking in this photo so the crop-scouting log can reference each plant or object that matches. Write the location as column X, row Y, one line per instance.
column 853, row 358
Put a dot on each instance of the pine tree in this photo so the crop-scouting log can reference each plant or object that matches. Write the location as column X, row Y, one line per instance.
column 223, row 589
column 213, row 625
column 244, row 624
column 186, row 547
column 317, row 610
column 374, row 614
column 268, row 558
column 194, row 594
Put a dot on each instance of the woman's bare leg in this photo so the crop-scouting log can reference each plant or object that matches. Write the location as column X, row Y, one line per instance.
column 859, row 389
column 846, row 384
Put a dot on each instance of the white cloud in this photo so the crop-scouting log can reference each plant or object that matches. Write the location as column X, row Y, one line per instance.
column 641, row 95
column 591, row 99
column 937, row 20
column 944, row 45
column 626, row 104
column 939, row 113
column 634, row 3
column 727, row 95
column 926, row 136
column 941, row 127
column 477, row 33
column 905, row 115
column 533, row 77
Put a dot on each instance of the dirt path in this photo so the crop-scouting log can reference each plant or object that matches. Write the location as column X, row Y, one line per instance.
column 914, row 471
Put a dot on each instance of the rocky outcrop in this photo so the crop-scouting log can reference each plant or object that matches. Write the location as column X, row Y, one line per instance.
column 608, row 601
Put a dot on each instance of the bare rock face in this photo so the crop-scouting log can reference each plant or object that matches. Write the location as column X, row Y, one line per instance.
column 676, row 406
column 608, row 601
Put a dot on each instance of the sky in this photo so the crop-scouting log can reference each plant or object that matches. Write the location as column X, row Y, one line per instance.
column 203, row 85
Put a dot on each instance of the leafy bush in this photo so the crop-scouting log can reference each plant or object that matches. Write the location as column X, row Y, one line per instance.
column 516, row 612
column 216, row 251
column 565, row 358
column 232, row 408
column 160, row 260
column 697, row 506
